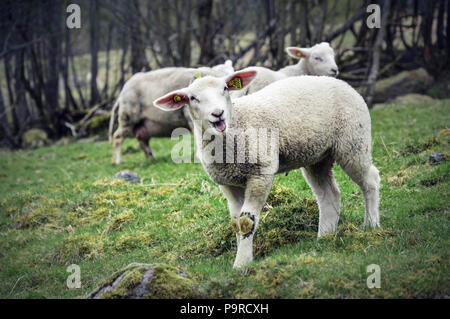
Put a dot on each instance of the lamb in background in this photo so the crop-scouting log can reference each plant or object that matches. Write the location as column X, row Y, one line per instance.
column 319, row 120
column 317, row 60
column 136, row 114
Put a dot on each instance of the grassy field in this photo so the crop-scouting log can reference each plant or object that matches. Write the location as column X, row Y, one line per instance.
column 176, row 215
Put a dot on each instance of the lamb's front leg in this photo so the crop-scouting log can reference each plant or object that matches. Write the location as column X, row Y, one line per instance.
column 235, row 198
column 256, row 191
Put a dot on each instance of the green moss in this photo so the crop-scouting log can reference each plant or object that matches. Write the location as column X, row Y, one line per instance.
column 34, row 138
column 422, row 145
column 132, row 241
column 148, row 281
column 99, row 123
column 293, row 219
column 77, row 247
column 130, row 279
column 39, row 217
column 412, row 98
column 234, row 225
column 245, row 224
column 286, row 218
column 118, row 221
column 41, row 211
column 351, row 238
column 168, row 283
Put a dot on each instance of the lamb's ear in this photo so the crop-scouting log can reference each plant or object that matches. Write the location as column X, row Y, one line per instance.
column 240, row 79
column 298, row 53
column 172, row 101
column 197, row 75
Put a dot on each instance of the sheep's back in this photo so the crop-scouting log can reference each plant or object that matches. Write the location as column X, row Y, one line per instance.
column 308, row 111
column 139, row 92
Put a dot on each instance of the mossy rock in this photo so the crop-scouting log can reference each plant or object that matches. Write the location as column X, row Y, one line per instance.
column 34, row 138
column 412, row 98
column 414, row 81
column 98, row 124
column 148, row 281
column 64, row 141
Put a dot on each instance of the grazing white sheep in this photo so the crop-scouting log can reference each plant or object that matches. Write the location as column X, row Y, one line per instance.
column 317, row 60
column 136, row 114
column 319, row 120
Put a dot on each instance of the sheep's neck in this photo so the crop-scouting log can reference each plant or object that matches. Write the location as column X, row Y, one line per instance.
column 199, row 133
column 296, row 69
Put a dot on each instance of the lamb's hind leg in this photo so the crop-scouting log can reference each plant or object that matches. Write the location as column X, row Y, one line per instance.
column 117, row 141
column 321, row 180
column 367, row 177
column 145, row 147
column 360, row 169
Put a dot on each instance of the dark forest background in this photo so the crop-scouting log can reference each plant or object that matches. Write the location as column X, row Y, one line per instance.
column 54, row 78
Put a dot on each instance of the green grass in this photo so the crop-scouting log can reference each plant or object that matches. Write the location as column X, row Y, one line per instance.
column 176, row 215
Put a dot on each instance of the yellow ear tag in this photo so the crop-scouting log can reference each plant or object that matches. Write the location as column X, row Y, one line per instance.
column 299, row 54
column 197, row 75
column 177, row 98
column 236, row 83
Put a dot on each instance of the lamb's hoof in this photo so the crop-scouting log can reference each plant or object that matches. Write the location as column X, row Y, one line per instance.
column 371, row 225
column 237, row 265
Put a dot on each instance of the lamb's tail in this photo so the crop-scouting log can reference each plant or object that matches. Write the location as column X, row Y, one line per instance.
column 112, row 120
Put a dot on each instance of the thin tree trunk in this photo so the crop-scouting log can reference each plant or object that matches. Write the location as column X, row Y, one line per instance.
column 376, row 54
column 69, row 99
column 185, row 50
column 204, row 11
column 20, row 112
column 294, row 19
column 138, row 59
column 108, row 54
column 54, row 55
column 93, row 16
column 4, row 124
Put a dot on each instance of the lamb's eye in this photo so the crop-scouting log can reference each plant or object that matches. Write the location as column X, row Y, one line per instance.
column 225, row 89
column 193, row 98
column 318, row 59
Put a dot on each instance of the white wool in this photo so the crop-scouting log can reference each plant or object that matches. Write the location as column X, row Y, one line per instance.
column 320, row 120
column 317, row 60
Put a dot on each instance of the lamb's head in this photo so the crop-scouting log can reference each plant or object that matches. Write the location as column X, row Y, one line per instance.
column 223, row 69
column 208, row 99
column 319, row 59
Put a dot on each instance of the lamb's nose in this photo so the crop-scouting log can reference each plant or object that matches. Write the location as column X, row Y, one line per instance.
column 334, row 71
column 218, row 115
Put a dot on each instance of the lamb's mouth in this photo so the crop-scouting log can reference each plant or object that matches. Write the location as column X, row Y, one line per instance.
column 219, row 125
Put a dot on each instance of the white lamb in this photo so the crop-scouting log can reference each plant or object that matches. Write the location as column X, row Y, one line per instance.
column 319, row 120
column 136, row 114
column 317, row 60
